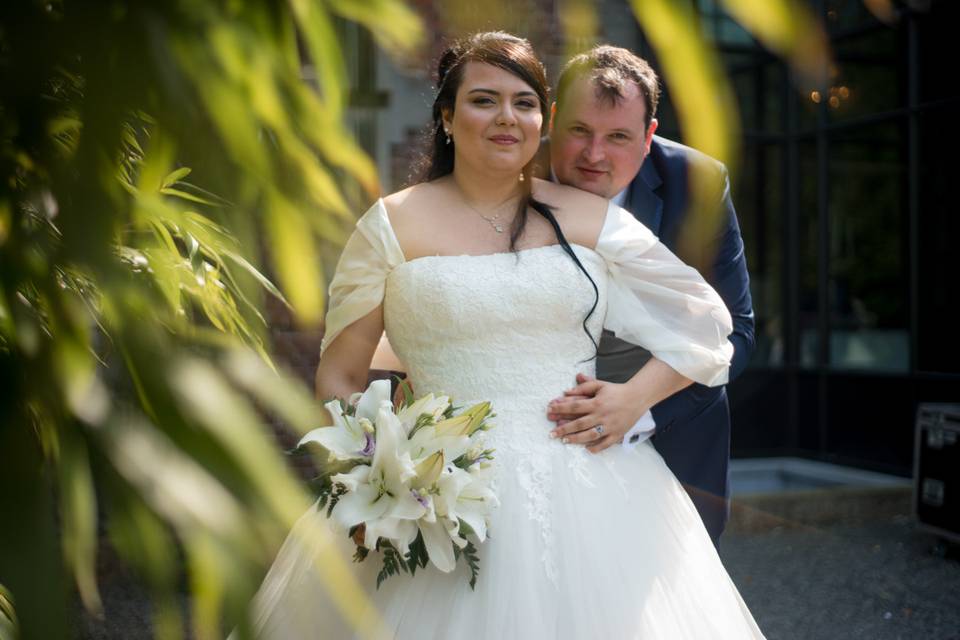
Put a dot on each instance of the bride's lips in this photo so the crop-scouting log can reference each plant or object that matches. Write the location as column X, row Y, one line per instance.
column 504, row 139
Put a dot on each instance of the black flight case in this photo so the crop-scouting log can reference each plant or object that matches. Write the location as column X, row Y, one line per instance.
column 936, row 470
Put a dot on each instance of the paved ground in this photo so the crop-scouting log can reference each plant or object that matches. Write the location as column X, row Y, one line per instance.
column 821, row 566
column 876, row 581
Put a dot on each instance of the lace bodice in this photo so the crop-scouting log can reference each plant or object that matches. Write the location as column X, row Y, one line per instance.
column 506, row 325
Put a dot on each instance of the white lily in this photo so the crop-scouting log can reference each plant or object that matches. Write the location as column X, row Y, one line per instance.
column 457, row 495
column 428, row 404
column 352, row 437
column 449, row 436
column 379, row 494
column 476, row 501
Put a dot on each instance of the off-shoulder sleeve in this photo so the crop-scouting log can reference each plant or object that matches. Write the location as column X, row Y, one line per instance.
column 661, row 304
column 370, row 254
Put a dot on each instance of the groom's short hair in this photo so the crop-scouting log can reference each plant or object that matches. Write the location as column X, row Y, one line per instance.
column 611, row 69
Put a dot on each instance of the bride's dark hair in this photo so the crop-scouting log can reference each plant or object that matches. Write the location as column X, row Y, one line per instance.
column 516, row 56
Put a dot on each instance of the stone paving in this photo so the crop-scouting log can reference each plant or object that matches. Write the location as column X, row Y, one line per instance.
column 878, row 580
column 818, row 566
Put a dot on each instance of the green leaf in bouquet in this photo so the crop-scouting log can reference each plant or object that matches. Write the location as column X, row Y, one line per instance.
column 406, row 390
column 362, row 552
column 423, row 420
column 417, row 557
column 469, row 552
column 393, row 562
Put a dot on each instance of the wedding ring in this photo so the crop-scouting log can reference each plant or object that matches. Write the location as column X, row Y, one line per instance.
column 599, row 429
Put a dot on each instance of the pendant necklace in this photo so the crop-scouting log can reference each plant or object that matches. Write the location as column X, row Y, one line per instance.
column 493, row 221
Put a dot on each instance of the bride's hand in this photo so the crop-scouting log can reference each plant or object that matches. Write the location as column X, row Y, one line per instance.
column 608, row 404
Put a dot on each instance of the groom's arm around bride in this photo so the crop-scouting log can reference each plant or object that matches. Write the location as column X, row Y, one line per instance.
column 602, row 140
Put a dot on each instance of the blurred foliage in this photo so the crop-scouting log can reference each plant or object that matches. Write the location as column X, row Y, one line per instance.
column 132, row 362
column 701, row 92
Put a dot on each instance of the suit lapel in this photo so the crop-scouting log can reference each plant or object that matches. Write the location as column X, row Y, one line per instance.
column 642, row 200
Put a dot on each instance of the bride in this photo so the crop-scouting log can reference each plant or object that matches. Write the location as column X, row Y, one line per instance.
column 495, row 286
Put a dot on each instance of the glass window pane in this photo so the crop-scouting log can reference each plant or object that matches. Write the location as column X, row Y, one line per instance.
column 869, row 75
column 845, row 15
column 760, row 202
column 758, row 86
column 939, row 237
column 807, row 255
column 868, row 237
column 936, row 28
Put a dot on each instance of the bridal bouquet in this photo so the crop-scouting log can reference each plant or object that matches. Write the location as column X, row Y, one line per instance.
column 410, row 482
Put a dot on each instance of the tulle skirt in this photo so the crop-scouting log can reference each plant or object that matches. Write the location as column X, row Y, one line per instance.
column 581, row 546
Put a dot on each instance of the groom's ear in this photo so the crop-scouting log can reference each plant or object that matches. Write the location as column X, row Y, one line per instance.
column 553, row 115
column 650, row 131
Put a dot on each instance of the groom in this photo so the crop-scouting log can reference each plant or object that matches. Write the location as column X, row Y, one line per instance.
column 602, row 140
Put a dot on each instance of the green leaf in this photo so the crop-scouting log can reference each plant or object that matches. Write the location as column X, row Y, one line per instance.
column 326, row 56
column 78, row 503
column 244, row 264
column 183, row 195
column 281, row 393
column 788, row 27
column 174, row 177
column 295, row 254
column 395, row 26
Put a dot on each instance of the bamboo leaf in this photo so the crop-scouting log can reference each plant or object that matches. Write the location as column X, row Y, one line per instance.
column 323, row 46
column 789, row 28
column 183, row 195
column 295, row 255
column 8, row 617
column 170, row 482
column 79, row 506
column 395, row 26
column 146, row 545
column 175, row 176
column 701, row 94
column 244, row 264
column 279, row 392
column 705, row 107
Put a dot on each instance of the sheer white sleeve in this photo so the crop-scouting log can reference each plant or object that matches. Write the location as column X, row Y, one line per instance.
column 370, row 254
column 659, row 303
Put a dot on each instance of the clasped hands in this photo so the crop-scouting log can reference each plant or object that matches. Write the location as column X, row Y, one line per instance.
column 578, row 412
column 594, row 402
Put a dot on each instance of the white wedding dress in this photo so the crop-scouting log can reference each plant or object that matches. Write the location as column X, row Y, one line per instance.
column 582, row 546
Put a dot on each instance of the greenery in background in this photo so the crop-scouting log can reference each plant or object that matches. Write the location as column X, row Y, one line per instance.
column 131, row 344
column 132, row 361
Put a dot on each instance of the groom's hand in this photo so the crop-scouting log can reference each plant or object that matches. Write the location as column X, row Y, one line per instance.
column 591, row 403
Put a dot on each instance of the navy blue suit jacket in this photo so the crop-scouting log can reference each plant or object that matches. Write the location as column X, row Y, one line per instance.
column 693, row 426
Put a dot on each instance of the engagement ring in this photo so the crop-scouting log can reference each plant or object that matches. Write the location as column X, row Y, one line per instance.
column 599, row 429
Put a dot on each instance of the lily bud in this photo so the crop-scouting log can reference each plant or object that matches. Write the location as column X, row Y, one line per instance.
column 456, row 426
column 428, row 471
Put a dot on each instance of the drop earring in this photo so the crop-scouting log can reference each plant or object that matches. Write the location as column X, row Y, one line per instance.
column 447, row 131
